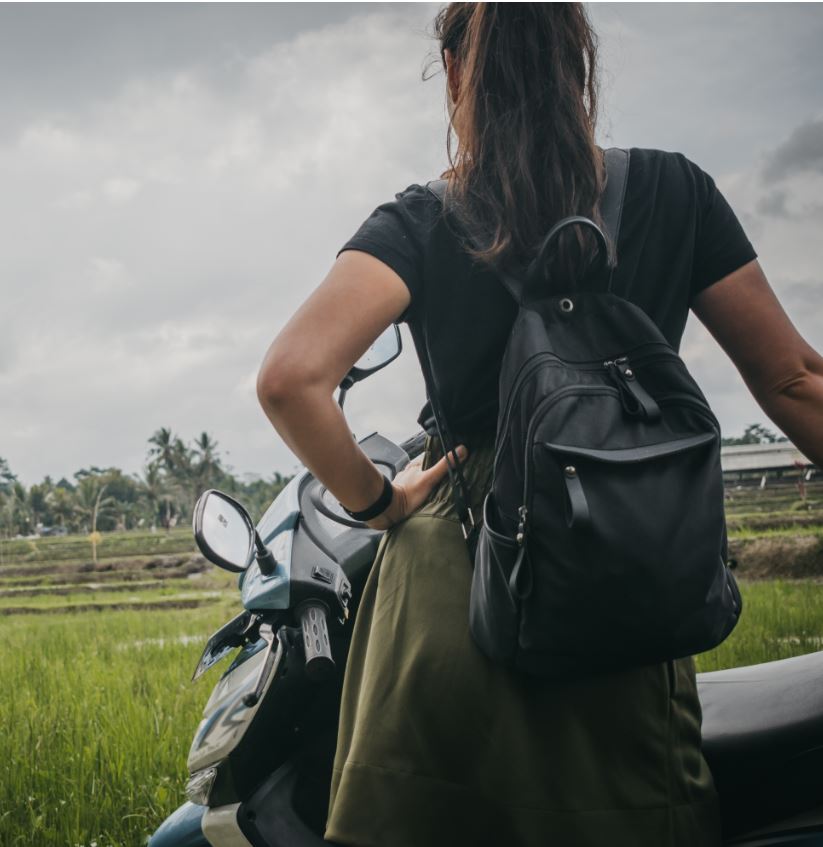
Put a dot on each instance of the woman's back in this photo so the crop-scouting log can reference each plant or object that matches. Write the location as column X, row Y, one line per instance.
column 677, row 236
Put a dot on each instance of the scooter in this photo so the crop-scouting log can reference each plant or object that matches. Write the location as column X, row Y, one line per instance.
column 260, row 762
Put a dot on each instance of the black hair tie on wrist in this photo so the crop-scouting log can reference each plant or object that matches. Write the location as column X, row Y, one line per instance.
column 379, row 505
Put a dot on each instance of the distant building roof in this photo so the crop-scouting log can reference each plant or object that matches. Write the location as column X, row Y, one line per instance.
column 761, row 457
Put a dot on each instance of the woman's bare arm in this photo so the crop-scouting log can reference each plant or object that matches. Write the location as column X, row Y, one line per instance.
column 783, row 372
column 359, row 298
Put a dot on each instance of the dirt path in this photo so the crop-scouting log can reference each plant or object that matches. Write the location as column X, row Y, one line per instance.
column 778, row 557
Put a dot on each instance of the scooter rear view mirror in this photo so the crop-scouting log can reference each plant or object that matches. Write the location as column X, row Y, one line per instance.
column 224, row 531
column 386, row 348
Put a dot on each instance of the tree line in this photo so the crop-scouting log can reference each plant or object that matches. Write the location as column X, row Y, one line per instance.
column 755, row 434
column 164, row 494
column 107, row 499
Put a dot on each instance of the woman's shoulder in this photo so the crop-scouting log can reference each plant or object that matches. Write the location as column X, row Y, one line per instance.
column 401, row 221
column 416, row 194
column 420, row 210
column 654, row 164
column 415, row 205
column 667, row 177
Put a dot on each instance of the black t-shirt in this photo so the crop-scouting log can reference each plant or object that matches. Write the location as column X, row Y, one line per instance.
column 678, row 235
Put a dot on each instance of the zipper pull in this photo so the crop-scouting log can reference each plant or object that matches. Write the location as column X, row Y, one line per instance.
column 521, row 526
column 640, row 402
column 615, row 362
column 622, row 365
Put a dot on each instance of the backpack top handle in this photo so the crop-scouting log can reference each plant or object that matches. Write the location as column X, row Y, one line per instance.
column 616, row 160
column 611, row 209
column 533, row 272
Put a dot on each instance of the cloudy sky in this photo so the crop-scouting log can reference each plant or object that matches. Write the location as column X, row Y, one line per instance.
column 176, row 179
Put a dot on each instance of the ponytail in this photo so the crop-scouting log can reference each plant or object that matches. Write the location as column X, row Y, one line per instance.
column 526, row 108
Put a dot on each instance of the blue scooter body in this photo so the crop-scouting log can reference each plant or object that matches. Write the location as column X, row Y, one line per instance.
column 182, row 828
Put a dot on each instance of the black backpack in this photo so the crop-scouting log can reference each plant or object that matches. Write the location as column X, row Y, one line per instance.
column 603, row 542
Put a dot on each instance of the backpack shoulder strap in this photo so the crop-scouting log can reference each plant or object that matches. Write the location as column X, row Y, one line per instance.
column 438, row 188
column 611, row 204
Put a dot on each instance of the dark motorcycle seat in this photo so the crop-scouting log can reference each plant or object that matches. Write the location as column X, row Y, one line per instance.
column 763, row 738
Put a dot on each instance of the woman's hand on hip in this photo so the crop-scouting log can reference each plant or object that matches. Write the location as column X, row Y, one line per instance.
column 412, row 487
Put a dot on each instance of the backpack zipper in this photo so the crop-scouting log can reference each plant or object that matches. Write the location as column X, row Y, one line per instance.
column 681, row 398
column 533, row 362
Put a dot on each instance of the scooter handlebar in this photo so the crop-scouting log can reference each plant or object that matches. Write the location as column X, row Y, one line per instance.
column 319, row 663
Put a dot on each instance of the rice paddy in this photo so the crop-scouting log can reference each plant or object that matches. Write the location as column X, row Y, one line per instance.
column 97, row 709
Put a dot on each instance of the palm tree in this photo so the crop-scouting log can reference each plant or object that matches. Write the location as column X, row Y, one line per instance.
column 41, row 498
column 18, row 514
column 208, row 470
column 62, row 506
column 159, row 494
column 206, row 450
column 8, row 504
column 162, row 447
column 167, row 451
column 7, row 478
column 90, row 504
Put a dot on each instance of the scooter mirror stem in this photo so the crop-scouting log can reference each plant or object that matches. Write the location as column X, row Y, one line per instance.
column 265, row 560
column 345, row 385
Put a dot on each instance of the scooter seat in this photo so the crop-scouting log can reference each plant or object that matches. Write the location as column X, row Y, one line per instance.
column 763, row 738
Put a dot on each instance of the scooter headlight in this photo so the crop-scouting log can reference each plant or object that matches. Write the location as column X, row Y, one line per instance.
column 199, row 786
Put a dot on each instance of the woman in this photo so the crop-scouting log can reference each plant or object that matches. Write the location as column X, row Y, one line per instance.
column 437, row 746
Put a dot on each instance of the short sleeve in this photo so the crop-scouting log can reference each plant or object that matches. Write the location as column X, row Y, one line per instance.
column 721, row 245
column 395, row 232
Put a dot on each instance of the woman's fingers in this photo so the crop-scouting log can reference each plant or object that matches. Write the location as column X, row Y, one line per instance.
column 413, row 487
column 440, row 468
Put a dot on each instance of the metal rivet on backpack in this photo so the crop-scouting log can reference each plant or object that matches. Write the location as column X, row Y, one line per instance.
column 570, row 470
column 566, row 305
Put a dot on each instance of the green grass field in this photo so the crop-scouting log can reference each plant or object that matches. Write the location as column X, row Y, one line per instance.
column 97, row 714
column 781, row 618
column 75, row 548
column 97, row 710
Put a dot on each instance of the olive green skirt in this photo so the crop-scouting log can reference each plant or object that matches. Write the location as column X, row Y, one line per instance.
column 439, row 746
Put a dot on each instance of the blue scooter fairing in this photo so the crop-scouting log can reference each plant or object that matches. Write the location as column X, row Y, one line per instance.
column 182, row 828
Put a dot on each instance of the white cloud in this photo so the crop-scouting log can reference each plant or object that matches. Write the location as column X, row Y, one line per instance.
column 120, row 189
column 785, row 234
column 107, row 274
column 45, row 138
column 160, row 238
column 74, row 201
column 157, row 238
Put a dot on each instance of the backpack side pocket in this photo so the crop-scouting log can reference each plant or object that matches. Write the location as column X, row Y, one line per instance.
column 493, row 612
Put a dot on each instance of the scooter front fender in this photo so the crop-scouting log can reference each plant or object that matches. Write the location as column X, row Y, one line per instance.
column 182, row 828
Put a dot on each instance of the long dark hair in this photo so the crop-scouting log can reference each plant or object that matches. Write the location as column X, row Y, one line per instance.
column 527, row 109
